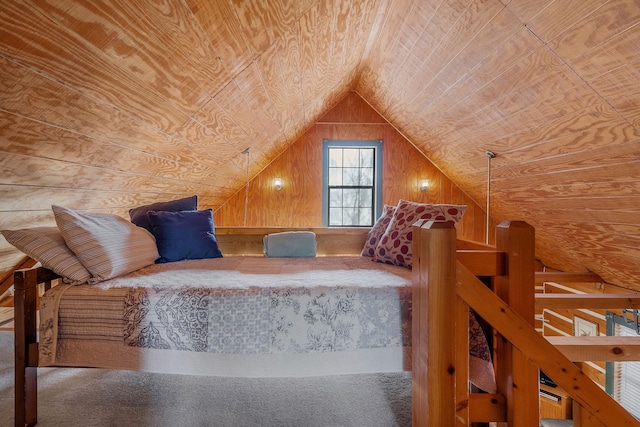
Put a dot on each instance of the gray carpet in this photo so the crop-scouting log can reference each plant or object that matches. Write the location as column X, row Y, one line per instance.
column 98, row 397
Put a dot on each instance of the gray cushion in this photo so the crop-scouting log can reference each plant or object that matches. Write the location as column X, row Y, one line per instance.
column 290, row 244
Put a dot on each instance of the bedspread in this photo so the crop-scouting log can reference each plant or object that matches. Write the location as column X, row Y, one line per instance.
column 241, row 316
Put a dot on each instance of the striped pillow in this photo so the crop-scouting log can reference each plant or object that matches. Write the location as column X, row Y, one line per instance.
column 46, row 245
column 107, row 245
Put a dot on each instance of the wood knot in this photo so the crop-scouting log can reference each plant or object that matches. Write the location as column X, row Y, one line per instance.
column 462, row 405
column 617, row 350
column 451, row 370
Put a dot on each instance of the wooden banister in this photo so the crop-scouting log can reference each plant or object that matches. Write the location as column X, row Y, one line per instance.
column 591, row 301
column 483, row 262
column 598, row 349
column 564, row 277
column 539, row 351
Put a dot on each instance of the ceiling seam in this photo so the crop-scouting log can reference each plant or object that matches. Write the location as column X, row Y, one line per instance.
column 573, row 70
column 410, row 141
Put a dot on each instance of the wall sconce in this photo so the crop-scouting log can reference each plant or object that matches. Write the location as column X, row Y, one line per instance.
column 424, row 185
column 277, row 184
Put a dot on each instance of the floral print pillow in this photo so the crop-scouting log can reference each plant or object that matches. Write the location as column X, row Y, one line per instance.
column 378, row 229
column 394, row 246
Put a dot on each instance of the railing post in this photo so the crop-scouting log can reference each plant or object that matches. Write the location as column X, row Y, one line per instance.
column 517, row 379
column 26, row 376
column 434, row 307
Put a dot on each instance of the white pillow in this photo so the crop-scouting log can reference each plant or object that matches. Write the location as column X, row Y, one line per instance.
column 46, row 245
column 107, row 245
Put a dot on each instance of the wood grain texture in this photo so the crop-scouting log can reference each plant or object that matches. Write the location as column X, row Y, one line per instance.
column 587, row 299
column 125, row 102
column 551, row 94
column 540, row 352
column 580, row 349
column 300, row 168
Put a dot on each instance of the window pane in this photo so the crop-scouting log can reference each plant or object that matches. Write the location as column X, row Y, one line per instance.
column 351, row 157
column 335, row 176
column 335, row 197
column 350, row 176
column 365, row 216
column 350, row 197
column 335, row 157
column 350, row 216
column 366, row 176
column 335, row 216
column 366, row 198
column 366, row 158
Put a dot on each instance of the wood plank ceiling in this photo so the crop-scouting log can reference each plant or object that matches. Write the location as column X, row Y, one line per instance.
column 106, row 105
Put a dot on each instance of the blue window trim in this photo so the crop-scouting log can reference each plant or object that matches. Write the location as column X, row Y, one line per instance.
column 611, row 320
column 326, row 144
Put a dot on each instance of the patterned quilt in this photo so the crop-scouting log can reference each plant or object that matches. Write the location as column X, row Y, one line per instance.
column 272, row 320
column 250, row 309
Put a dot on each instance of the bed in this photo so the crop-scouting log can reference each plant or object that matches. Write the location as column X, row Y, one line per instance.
column 241, row 314
column 235, row 316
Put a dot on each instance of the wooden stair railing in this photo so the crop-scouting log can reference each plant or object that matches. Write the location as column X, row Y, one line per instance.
column 540, row 351
column 599, row 348
column 580, row 349
column 440, row 358
column 444, row 288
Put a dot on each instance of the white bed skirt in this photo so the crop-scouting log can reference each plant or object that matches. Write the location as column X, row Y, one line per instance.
column 116, row 356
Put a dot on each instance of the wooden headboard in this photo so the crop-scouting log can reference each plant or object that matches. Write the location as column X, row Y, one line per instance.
column 331, row 241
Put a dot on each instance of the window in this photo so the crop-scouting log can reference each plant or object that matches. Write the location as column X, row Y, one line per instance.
column 351, row 183
column 623, row 378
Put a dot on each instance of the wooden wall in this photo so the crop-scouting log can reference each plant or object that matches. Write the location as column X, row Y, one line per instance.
column 299, row 203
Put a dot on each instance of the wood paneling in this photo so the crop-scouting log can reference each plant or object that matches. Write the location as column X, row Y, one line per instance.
column 113, row 104
column 106, row 106
column 299, row 203
column 551, row 87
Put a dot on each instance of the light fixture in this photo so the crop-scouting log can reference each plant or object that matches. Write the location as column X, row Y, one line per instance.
column 490, row 155
column 246, row 151
column 424, row 185
column 277, row 184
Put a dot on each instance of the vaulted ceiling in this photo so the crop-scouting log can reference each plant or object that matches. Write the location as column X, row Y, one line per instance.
column 110, row 104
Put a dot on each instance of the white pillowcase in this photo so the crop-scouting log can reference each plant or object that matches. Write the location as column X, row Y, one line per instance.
column 47, row 246
column 107, row 245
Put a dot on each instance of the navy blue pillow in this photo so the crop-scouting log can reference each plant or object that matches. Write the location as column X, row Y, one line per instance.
column 139, row 215
column 184, row 235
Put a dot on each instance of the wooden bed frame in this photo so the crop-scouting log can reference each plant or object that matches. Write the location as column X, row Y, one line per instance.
column 445, row 285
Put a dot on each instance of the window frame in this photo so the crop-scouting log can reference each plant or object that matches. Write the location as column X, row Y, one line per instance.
column 377, row 176
column 611, row 368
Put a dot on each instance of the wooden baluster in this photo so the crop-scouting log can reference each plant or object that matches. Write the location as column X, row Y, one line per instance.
column 434, row 302
column 517, row 378
column 462, row 362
